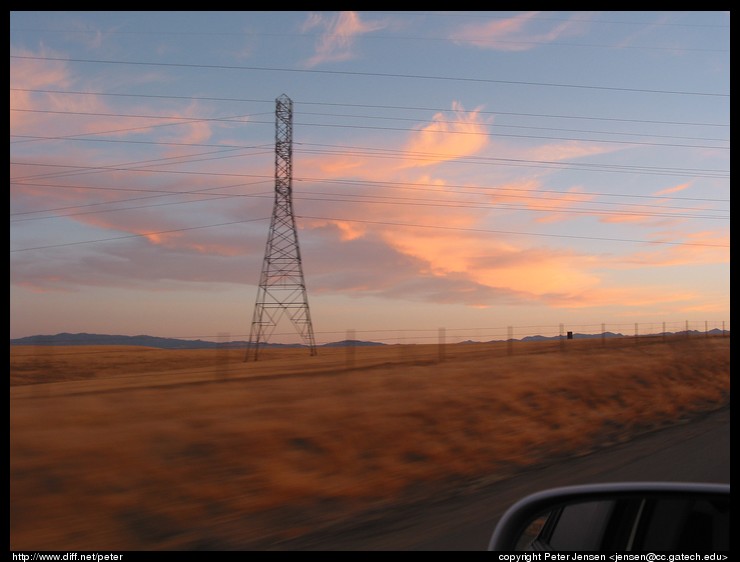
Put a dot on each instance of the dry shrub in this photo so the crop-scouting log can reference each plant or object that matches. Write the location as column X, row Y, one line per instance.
column 199, row 450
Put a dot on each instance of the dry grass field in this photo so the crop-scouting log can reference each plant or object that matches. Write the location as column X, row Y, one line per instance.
column 126, row 448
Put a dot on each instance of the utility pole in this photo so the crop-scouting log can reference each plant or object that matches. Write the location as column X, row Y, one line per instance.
column 282, row 289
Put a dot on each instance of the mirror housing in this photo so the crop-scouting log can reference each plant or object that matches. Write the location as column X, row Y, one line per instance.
column 626, row 516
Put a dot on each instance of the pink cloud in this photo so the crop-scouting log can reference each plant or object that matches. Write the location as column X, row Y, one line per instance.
column 87, row 195
column 674, row 189
column 118, row 203
column 340, row 31
column 519, row 33
column 49, row 114
column 30, row 74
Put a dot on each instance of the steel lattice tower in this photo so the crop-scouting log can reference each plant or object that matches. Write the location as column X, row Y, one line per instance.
column 282, row 290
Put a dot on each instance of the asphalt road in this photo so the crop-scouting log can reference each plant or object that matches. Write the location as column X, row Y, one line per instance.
column 695, row 451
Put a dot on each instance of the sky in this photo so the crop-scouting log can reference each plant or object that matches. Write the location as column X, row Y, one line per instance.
column 455, row 175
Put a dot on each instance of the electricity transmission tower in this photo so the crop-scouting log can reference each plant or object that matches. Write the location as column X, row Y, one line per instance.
column 282, row 290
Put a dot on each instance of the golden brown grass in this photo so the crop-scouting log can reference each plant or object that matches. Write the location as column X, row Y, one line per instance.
column 128, row 448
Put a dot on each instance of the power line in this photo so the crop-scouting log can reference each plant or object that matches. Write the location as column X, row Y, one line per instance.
column 421, row 156
column 477, row 15
column 499, row 125
column 407, row 202
column 372, row 106
column 382, row 223
column 127, row 129
column 119, row 168
column 510, row 135
column 160, row 193
column 490, row 231
column 428, row 130
column 82, row 170
column 486, row 191
column 390, row 200
column 372, row 74
column 378, row 37
column 500, row 189
column 138, row 116
column 142, row 235
column 517, row 162
column 395, row 185
column 387, row 152
column 521, row 114
column 379, row 117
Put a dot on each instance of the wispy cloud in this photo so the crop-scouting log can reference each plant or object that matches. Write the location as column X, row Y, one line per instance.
column 519, row 33
column 704, row 247
column 647, row 29
column 674, row 189
column 567, row 150
column 339, row 31
column 51, row 114
column 29, row 74
column 108, row 195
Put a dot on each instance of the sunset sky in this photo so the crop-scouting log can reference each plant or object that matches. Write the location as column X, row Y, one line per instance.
column 488, row 173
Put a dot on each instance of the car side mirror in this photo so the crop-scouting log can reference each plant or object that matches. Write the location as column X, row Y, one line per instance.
column 627, row 516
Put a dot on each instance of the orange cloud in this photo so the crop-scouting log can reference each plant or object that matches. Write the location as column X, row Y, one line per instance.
column 624, row 219
column 551, row 204
column 499, row 265
column 493, row 262
column 639, row 298
column 336, row 165
column 347, row 230
column 694, row 248
column 557, row 278
column 566, row 150
column 563, row 278
column 447, row 138
column 159, row 239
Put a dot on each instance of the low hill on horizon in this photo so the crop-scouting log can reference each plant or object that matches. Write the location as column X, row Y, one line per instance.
column 66, row 338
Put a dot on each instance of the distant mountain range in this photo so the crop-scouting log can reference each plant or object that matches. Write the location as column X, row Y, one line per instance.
column 174, row 343
column 161, row 343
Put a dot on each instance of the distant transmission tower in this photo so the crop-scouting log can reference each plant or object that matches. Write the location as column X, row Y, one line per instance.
column 282, row 290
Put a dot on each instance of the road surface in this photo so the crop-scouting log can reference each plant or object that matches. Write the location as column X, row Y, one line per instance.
column 695, row 451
